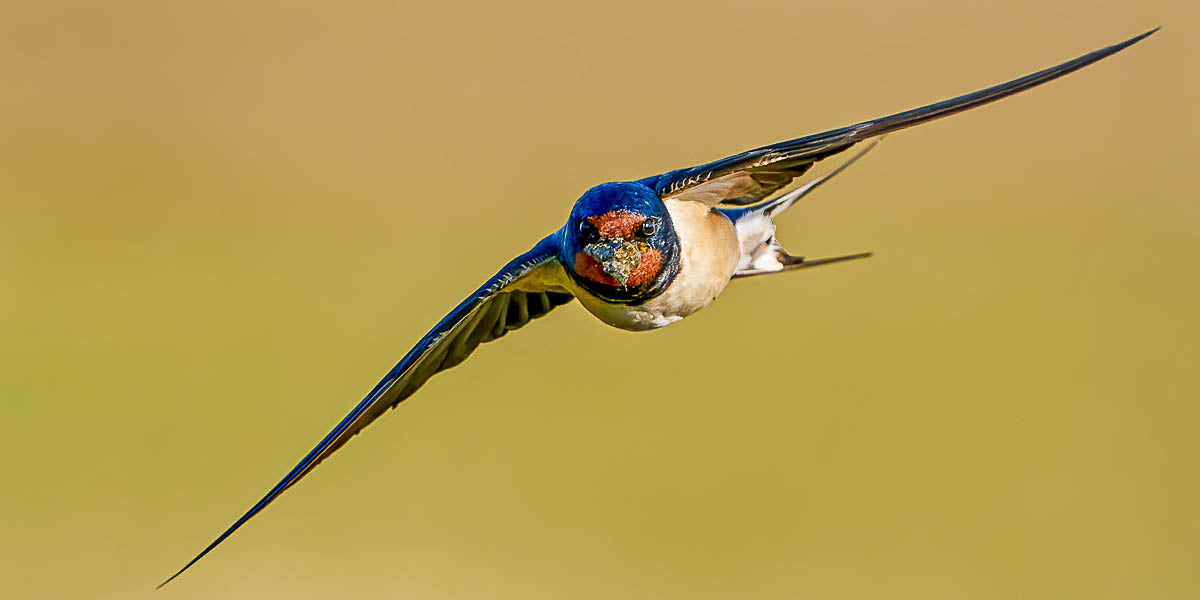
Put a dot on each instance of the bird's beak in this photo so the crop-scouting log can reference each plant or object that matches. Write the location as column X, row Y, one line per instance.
column 617, row 256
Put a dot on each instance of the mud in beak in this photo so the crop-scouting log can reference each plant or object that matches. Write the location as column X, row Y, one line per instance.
column 618, row 257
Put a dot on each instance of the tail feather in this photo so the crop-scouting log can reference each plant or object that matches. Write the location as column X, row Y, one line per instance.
column 791, row 263
column 761, row 252
column 771, row 208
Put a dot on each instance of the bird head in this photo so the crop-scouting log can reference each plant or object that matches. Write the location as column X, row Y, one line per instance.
column 620, row 243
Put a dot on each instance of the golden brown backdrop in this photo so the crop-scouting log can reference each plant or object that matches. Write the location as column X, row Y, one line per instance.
column 221, row 222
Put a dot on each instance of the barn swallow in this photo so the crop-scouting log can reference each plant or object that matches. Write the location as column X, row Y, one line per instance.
column 643, row 254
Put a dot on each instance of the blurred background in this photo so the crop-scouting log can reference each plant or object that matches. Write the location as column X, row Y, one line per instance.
column 222, row 222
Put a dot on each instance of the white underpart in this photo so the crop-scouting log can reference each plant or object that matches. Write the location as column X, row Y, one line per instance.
column 760, row 250
column 756, row 230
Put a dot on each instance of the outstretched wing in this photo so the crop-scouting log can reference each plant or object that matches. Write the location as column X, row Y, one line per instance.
column 525, row 289
column 754, row 175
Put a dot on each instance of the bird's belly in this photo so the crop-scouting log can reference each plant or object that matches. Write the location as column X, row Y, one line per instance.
column 709, row 253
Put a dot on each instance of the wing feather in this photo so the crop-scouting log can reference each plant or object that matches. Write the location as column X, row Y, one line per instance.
column 754, row 175
column 501, row 305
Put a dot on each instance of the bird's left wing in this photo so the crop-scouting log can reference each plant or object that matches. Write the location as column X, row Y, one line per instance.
column 754, row 175
column 525, row 289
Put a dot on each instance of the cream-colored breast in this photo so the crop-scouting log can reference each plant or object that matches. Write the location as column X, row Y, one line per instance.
column 709, row 254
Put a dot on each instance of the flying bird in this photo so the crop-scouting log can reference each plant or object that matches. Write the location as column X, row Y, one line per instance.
column 643, row 254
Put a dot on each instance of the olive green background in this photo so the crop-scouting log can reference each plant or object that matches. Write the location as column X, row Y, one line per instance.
column 221, row 223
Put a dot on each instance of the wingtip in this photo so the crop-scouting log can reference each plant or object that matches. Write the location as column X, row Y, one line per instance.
column 1137, row 38
column 210, row 547
column 1115, row 48
column 177, row 574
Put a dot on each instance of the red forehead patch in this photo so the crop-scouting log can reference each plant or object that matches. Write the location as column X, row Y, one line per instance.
column 617, row 223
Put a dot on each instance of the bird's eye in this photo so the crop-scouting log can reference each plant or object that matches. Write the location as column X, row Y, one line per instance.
column 588, row 232
column 648, row 228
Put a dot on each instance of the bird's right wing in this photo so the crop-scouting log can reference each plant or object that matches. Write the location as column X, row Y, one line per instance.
column 525, row 289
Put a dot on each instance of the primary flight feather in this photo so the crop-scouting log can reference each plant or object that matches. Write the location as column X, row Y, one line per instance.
column 643, row 254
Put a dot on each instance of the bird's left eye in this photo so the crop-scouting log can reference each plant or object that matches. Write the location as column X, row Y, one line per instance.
column 648, row 228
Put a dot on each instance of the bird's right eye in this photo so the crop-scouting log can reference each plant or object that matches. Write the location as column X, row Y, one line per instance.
column 588, row 232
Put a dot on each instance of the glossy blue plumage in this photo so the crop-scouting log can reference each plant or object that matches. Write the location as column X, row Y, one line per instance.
column 631, row 197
